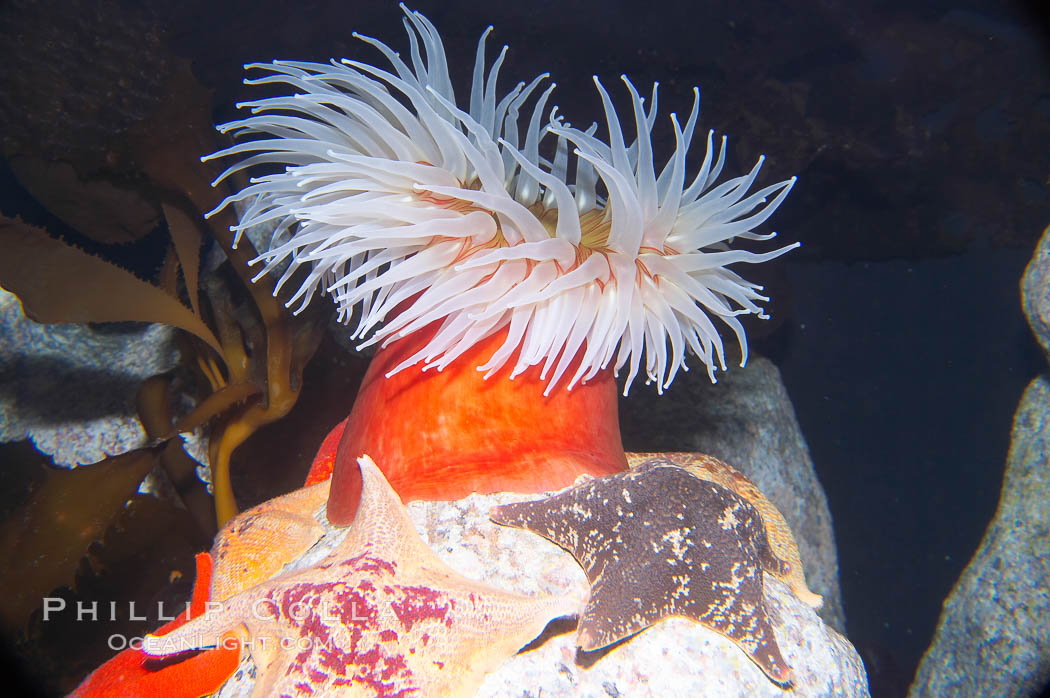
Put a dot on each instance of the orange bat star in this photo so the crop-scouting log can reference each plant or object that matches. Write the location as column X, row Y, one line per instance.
column 380, row 615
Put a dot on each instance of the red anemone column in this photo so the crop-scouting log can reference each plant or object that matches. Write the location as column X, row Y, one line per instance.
column 446, row 434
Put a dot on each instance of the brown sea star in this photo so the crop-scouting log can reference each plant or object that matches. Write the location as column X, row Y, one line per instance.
column 782, row 542
column 656, row 542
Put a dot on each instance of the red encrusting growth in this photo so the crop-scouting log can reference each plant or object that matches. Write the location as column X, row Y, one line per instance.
column 443, row 435
column 132, row 673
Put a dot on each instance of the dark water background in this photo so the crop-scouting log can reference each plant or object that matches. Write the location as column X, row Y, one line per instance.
column 921, row 137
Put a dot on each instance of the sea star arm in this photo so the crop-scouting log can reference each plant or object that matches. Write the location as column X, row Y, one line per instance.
column 381, row 614
column 130, row 675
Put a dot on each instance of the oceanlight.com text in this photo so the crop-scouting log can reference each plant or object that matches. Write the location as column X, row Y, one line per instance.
column 165, row 645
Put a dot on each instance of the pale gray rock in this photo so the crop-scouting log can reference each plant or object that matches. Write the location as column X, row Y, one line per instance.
column 1035, row 292
column 678, row 657
column 71, row 388
column 748, row 421
column 992, row 637
column 673, row 657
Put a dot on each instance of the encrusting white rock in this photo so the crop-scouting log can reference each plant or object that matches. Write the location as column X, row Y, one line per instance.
column 71, row 388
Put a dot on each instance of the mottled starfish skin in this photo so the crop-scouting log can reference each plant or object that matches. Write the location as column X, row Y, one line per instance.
column 655, row 542
column 256, row 545
column 781, row 540
column 380, row 616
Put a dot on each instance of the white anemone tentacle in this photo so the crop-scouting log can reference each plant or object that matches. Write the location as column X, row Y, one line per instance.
column 384, row 190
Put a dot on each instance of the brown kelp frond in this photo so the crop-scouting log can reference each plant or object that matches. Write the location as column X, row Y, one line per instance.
column 254, row 376
column 144, row 521
column 187, row 238
column 109, row 164
column 167, row 147
column 145, row 558
column 60, row 283
column 101, row 210
column 43, row 542
column 265, row 347
column 168, row 275
column 153, row 403
column 290, row 343
column 219, row 402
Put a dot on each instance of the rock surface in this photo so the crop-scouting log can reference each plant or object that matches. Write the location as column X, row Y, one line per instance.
column 747, row 420
column 71, row 388
column 1035, row 292
column 674, row 657
column 992, row 637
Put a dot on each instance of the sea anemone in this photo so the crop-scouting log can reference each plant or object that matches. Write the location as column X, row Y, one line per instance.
column 390, row 190
column 447, row 229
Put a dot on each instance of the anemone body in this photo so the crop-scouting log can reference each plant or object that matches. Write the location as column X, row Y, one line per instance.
column 485, row 436
column 459, row 227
